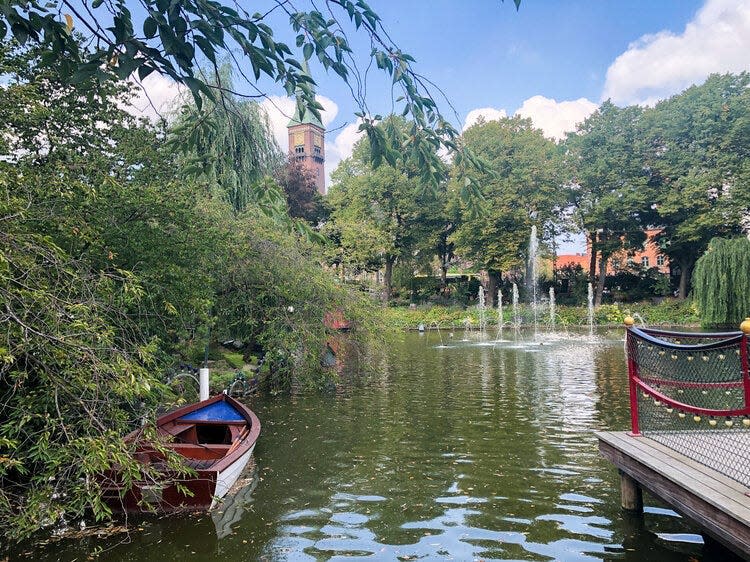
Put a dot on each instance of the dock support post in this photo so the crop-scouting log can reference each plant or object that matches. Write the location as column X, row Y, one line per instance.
column 632, row 495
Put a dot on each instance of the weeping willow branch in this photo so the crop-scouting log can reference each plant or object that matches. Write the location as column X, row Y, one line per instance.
column 721, row 282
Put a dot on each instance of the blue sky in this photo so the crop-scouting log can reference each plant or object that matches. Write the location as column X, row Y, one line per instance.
column 553, row 61
column 485, row 53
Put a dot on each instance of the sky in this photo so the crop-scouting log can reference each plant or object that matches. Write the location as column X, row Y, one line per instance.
column 553, row 61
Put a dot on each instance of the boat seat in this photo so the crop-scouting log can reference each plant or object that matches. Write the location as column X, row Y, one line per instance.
column 182, row 432
column 200, row 452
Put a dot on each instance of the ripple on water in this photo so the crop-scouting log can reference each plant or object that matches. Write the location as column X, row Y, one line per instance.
column 580, row 525
column 350, row 518
column 358, row 497
column 460, row 500
column 472, row 452
column 579, row 498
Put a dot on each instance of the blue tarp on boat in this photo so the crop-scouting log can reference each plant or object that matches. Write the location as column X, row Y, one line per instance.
column 218, row 411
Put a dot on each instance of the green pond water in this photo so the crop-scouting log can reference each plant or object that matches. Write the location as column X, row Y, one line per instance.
column 457, row 450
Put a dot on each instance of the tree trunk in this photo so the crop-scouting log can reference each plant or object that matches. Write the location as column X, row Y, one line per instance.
column 444, row 278
column 601, row 280
column 388, row 278
column 686, row 268
column 494, row 279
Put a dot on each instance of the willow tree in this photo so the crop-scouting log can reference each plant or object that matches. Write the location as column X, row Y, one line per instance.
column 229, row 148
column 721, row 282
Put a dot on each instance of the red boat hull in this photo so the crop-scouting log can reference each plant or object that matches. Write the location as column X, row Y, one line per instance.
column 216, row 437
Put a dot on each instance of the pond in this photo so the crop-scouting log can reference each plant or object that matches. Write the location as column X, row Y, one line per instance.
column 457, row 450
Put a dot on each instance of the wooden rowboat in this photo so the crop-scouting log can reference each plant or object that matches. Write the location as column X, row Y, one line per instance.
column 216, row 437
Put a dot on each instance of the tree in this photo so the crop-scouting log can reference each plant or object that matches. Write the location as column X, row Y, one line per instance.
column 113, row 261
column 229, row 148
column 76, row 369
column 105, row 188
column 523, row 189
column 722, row 284
column 384, row 213
column 300, row 188
column 697, row 154
column 610, row 185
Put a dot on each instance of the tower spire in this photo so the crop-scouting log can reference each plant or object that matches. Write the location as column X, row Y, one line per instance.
column 306, row 116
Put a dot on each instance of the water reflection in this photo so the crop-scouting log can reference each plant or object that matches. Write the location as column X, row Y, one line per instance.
column 458, row 451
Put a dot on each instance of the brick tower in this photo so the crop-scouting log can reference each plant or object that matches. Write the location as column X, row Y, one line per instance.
column 307, row 144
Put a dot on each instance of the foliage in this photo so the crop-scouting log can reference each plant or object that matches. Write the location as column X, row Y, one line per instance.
column 669, row 312
column 229, row 148
column 300, row 188
column 609, row 180
column 273, row 294
column 524, row 189
column 637, row 283
column 722, row 282
column 75, row 373
column 112, row 262
column 571, row 285
column 698, row 164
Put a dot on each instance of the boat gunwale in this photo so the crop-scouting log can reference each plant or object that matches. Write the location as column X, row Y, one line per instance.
column 228, row 460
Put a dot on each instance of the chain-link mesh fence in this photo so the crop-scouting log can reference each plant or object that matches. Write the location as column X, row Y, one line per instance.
column 691, row 396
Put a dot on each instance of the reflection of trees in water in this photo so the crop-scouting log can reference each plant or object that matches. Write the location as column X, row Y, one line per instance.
column 611, row 372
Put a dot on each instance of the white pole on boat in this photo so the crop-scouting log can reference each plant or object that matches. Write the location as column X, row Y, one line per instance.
column 203, row 378
column 203, row 372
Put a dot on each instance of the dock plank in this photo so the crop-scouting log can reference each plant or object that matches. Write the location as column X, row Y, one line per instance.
column 716, row 503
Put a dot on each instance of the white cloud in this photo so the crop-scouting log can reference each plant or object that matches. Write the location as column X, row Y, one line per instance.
column 155, row 96
column 660, row 65
column 552, row 117
column 556, row 118
column 341, row 147
column 487, row 113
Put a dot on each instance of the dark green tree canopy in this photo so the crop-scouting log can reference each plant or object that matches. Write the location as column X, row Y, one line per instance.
column 697, row 154
column 523, row 187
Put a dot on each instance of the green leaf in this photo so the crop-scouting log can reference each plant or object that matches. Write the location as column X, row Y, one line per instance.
column 149, row 27
column 307, row 51
column 20, row 32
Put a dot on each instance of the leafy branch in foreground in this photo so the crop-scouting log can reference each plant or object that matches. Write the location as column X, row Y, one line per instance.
column 175, row 36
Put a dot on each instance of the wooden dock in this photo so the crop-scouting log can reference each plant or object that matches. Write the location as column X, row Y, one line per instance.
column 718, row 504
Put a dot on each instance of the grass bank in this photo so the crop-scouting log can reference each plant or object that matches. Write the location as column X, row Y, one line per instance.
column 670, row 312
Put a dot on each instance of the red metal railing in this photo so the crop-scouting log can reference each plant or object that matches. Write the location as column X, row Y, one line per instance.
column 687, row 380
